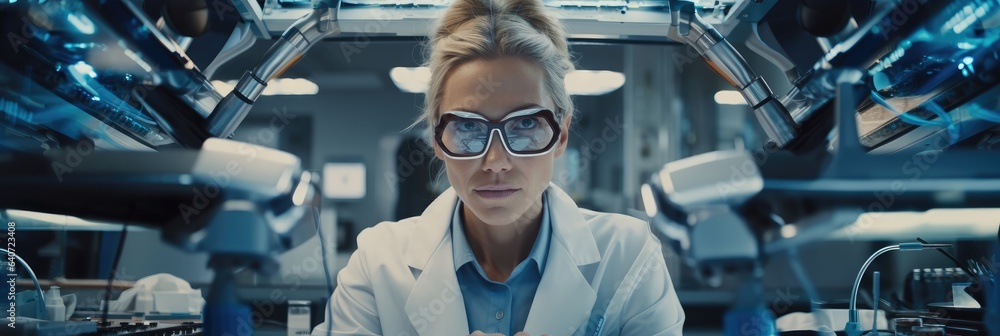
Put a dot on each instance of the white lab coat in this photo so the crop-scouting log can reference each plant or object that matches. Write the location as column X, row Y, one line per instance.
column 604, row 272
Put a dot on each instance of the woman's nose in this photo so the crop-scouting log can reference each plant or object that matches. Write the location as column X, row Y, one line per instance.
column 496, row 160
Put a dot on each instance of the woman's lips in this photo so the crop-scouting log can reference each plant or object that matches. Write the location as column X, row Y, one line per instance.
column 496, row 193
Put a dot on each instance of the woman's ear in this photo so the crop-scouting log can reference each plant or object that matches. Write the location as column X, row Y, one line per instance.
column 563, row 137
column 437, row 151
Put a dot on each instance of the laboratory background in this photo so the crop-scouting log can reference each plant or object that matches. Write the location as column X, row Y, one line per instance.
column 809, row 167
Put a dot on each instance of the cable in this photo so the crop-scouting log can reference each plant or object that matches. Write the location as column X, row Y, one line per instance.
column 875, row 290
column 944, row 119
column 904, row 116
column 983, row 113
column 326, row 267
column 953, row 259
column 44, row 314
column 111, row 277
column 854, row 290
column 949, row 123
column 793, row 259
column 853, row 326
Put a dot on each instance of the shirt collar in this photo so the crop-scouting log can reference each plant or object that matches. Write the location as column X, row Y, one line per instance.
column 463, row 251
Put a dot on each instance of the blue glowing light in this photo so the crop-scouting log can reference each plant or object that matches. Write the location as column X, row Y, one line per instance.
column 82, row 23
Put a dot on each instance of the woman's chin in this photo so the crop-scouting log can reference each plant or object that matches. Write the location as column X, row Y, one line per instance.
column 496, row 215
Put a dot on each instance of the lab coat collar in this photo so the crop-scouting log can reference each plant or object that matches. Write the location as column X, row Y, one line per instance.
column 568, row 228
column 539, row 250
column 564, row 297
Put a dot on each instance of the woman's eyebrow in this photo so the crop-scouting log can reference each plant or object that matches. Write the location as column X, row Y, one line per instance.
column 524, row 107
column 519, row 108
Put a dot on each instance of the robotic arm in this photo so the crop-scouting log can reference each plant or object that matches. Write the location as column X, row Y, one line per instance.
column 687, row 27
column 293, row 44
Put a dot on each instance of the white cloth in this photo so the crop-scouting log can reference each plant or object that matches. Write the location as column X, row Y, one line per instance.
column 604, row 274
column 828, row 321
column 169, row 294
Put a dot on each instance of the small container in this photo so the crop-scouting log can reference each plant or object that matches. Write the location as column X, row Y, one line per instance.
column 917, row 289
column 299, row 318
column 929, row 330
column 54, row 305
column 144, row 301
column 960, row 298
column 905, row 326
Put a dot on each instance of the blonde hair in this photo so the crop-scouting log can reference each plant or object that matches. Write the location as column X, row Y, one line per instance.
column 491, row 29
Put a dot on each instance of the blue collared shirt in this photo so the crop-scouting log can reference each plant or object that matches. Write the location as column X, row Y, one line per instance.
column 494, row 307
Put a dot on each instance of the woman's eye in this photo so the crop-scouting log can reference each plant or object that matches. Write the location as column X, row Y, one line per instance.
column 526, row 123
column 466, row 126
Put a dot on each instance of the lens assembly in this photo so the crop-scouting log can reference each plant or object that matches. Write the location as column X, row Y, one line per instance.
column 467, row 135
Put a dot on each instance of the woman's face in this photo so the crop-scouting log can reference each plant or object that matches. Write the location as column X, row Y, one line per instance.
column 499, row 188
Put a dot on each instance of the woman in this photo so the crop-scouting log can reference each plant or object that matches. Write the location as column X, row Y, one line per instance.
column 503, row 251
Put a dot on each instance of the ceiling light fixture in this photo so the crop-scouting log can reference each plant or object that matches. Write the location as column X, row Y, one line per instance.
column 276, row 87
column 579, row 82
column 729, row 97
column 593, row 82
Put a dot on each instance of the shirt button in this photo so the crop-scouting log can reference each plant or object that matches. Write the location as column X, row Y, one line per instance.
column 499, row 314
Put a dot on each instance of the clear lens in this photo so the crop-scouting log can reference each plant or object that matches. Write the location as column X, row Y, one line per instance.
column 463, row 136
column 528, row 134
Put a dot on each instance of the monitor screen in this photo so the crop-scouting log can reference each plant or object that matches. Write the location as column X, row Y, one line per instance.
column 344, row 180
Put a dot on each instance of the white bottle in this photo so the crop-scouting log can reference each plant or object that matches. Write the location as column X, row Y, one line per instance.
column 144, row 301
column 54, row 304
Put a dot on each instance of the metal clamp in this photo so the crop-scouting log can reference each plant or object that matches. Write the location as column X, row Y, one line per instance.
column 289, row 49
column 690, row 29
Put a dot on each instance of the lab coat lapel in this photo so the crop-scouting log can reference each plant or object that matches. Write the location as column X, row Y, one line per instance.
column 435, row 305
column 433, row 228
column 564, row 298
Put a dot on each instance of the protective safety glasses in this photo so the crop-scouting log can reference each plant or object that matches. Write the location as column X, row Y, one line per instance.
column 467, row 135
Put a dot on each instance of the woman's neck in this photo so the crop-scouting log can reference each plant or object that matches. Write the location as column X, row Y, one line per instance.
column 500, row 248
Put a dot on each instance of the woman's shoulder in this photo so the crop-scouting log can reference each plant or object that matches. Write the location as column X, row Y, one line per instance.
column 384, row 242
column 625, row 243
column 617, row 229
column 388, row 231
